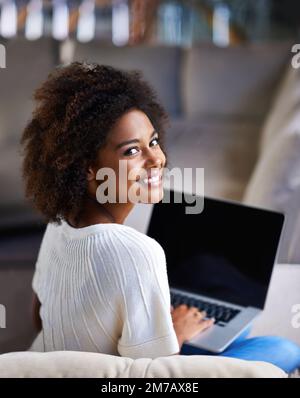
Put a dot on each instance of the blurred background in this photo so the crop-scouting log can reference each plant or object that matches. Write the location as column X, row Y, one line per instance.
column 222, row 69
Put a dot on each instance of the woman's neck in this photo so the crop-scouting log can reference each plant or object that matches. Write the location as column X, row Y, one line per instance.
column 94, row 212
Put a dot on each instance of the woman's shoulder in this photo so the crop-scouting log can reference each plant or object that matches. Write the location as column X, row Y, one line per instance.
column 128, row 246
column 115, row 237
column 129, row 239
column 94, row 230
column 110, row 249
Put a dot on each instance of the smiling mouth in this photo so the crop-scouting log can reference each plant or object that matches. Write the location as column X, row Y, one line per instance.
column 154, row 180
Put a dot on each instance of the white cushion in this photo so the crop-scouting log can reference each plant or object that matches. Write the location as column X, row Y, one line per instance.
column 275, row 182
column 83, row 364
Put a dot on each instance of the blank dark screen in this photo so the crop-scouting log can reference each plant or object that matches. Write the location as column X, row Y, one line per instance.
column 226, row 252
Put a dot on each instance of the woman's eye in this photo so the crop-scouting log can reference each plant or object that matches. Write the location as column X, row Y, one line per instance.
column 129, row 152
column 133, row 151
column 155, row 140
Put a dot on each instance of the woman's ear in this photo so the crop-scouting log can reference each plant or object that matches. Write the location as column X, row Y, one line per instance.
column 91, row 175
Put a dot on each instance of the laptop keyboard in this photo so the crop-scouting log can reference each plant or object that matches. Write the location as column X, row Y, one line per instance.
column 222, row 314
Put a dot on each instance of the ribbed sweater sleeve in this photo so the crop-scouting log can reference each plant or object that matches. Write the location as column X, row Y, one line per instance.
column 144, row 297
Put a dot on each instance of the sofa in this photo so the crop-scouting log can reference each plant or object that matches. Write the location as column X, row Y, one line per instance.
column 229, row 113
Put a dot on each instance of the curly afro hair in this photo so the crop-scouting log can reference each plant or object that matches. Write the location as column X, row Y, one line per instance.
column 76, row 108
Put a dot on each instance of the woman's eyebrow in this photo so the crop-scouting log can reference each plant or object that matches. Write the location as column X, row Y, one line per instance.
column 132, row 141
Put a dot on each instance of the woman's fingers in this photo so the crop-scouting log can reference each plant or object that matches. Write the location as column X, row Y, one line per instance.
column 202, row 325
column 191, row 311
column 194, row 311
column 205, row 324
column 200, row 317
column 189, row 321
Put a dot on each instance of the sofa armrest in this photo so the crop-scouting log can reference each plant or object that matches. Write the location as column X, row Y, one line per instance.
column 93, row 365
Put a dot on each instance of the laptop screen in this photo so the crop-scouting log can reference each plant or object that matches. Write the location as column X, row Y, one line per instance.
column 226, row 252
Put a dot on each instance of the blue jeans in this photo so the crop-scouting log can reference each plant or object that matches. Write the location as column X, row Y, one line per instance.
column 273, row 349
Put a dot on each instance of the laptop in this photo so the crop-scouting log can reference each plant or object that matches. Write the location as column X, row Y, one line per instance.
column 219, row 260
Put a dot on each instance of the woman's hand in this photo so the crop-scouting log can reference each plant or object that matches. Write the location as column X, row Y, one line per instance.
column 188, row 322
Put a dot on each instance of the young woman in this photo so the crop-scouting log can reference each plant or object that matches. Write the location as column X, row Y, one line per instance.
column 102, row 286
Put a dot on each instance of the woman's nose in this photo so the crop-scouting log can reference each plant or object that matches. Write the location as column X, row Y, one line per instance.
column 154, row 160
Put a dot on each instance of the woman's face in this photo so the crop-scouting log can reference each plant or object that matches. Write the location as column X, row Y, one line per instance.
column 134, row 140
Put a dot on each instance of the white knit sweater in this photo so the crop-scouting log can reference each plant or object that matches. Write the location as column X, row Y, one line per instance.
column 104, row 288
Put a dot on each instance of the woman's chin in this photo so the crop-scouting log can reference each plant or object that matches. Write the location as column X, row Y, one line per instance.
column 155, row 195
column 151, row 194
column 146, row 193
